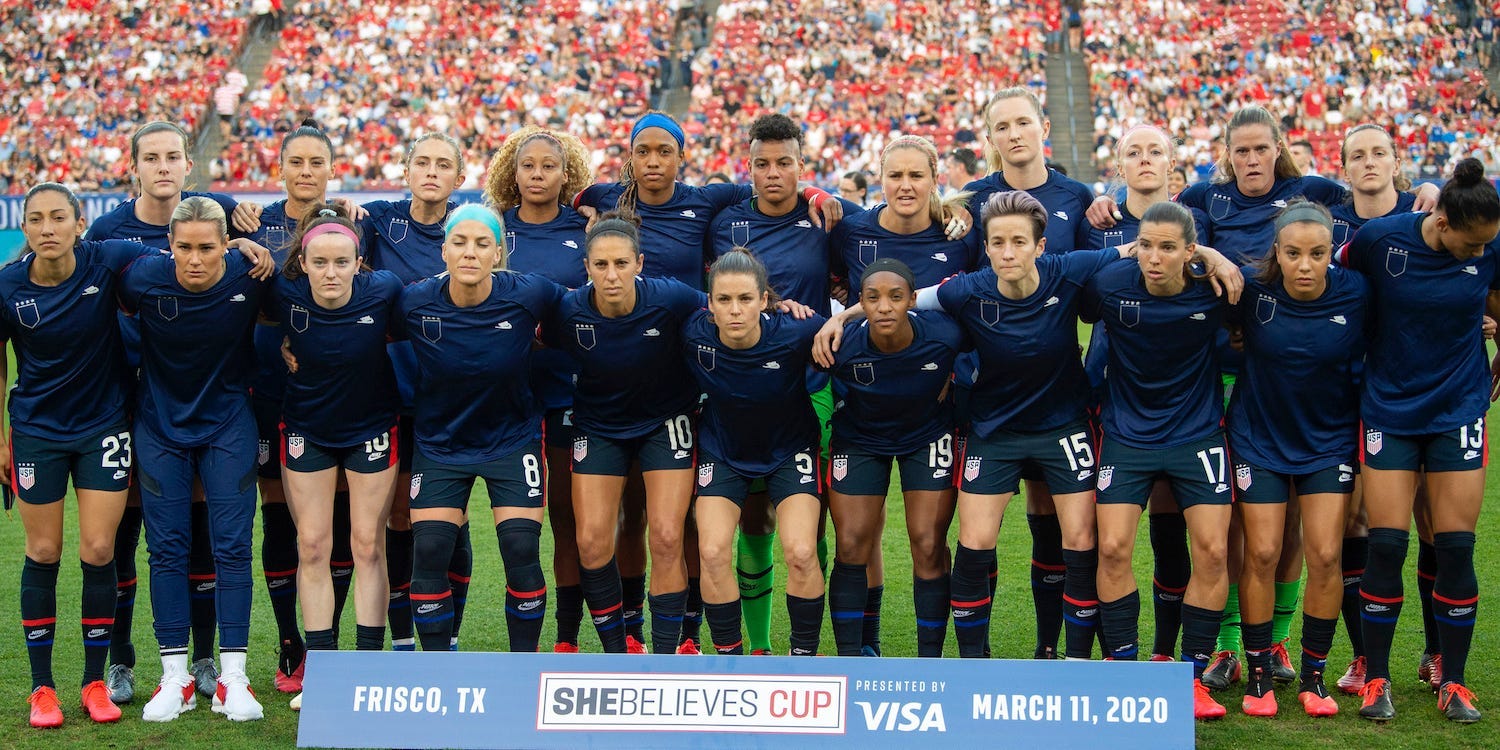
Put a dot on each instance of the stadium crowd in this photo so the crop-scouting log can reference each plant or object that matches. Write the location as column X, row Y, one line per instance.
column 1415, row 68
column 77, row 76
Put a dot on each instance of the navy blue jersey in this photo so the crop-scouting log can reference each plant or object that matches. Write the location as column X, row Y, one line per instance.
column 858, row 240
column 120, row 223
column 757, row 415
column 796, row 253
column 1163, row 388
column 70, row 366
column 1346, row 222
column 473, row 399
column 1124, row 232
column 392, row 240
column 275, row 234
column 631, row 375
column 1030, row 378
column 673, row 234
column 1241, row 227
column 1295, row 406
column 1426, row 369
column 344, row 390
column 555, row 250
column 890, row 403
column 1065, row 199
column 196, row 350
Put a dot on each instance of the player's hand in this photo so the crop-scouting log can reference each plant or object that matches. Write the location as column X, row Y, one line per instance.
column 839, row 291
column 287, row 356
column 5, row 462
column 246, row 217
column 1103, row 212
column 264, row 263
column 590, row 213
column 824, row 210
column 1489, row 327
column 1225, row 276
column 796, row 309
column 826, row 343
column 357, row 213
column 1427, row 195
column 958, row 222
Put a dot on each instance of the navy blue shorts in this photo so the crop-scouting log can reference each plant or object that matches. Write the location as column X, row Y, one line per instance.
column 370, row 456
column 40, row 468
column 856, row 472
column 1464, row 449
column 1198, row 472
column 1064, row 457
column 669, row 447
column 1253, row 484
column 798, row 475
column 558, row 430
column 517, row 480
column 268, row 437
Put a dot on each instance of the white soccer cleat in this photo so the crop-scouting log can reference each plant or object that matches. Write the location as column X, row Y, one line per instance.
column 233, row 698
column 175, row 695
column 296, row 703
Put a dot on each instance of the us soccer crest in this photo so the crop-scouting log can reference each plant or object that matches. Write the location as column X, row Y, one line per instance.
column 263, row 452
column 1106, row 475
column 840, row 467
column 585, row 336
column 295, row 445
column 580, row 448
column 397, row 230
column 416, row 485
column 298, row 318
column 1265, row 308
column 706, row 358
column 1130, row 312
column 1374, row 441
column 28, row 314
column 739, row 233
column 705, row 475
column 1395, row 261
column 432, row 328
column 1219, row 206
column 1242, row 477
column 867, row 252
column 971, row 468
column 26, row 475
column 864, row 373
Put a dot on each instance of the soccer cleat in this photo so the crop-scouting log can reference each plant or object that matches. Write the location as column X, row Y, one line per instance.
column 205, row 676
column 868, row 651
column 1222, row 672
column 296, row 703
column 1354, row 677
column 1161, row 657
column 1431, row 670
column 1315, row 698
column 1457, row 703
column 1377, row 705
column 291, row 683
column 761, row 652
column 1281, row 665
column 174, row 697
column 235, row 699
column 121, row 682
column 688, row 648
column 633, row 646
column 563, row 647
column 1260, row 697
column 46, row 712
column 96, row 702
column 1204, row 705
column 1042, row 652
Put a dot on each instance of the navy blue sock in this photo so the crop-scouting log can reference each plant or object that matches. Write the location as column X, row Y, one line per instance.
column 969, row 596
column 398, row 554
column 806, row 617
column 692, row 613
column 1200, row 629
column 724, row 627
column 1427, row 567
column 568, row 612
column 633, row 597
column 460, row 570
column 127, row 538
column 847, row 594
column 601, row 589
column 1119, row 620
column 1455, row 600
column 870, row 634
column 1381, row 598
column 931, row 599
column 1171, row 569
column 39, row 618
column 1356, row 549
column 203, row 584
column 1048, row 574
column 1080, row 602
column 431, row 597
column 525, row 585
column 97, row 617
column 666, row 620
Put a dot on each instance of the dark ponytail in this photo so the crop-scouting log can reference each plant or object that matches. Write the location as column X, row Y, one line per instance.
column 319, row 214
column 308, row 129
column 615, row 224
column 1469, row 200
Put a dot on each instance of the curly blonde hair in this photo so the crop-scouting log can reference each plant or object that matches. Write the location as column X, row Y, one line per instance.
column 500, row 180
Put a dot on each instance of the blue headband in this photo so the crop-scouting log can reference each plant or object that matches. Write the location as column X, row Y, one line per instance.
column 475, row 212
column 658, row 120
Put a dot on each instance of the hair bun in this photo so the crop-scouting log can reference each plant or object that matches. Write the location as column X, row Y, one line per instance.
column 308, row 122
column 327, row 212
column 1468, row 171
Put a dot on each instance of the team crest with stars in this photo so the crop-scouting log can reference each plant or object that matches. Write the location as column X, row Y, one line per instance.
column 1374, row 441
column 26, row 475
column 1265, row 308
column 1130, row 312
column 971, row 468
column 706, row 357
column 1106, row 475
column 705, row 475
column 416, row 485
column 1242, row 478
column 584, row 333
column 840, row 467
column 580, row 448
column 1395, row 261
column 28, row 313
column 295, row 444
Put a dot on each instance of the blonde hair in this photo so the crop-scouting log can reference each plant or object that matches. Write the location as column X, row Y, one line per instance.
column 992, row 154
column 1401, row 181
column 937, row 205
column 1286, row 166
column 500, row 180
column 199, row 208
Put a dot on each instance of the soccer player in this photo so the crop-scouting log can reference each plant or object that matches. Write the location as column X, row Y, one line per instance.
column 1016, row 129
column 757, row 423
column 471, row 331
column 68, row 417
column 160, row 160
column 197, row 307
column 1162, row 416
column 1292, row 424
column 893, row 369
column 406, row 237
column 339, row 411
column 634, row 404
column 532, row 181
column 1431, row 274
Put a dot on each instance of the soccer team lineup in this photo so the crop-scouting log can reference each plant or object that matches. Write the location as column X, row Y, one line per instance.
column 688, row 342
